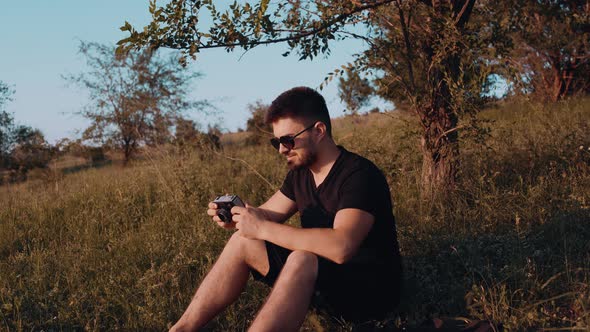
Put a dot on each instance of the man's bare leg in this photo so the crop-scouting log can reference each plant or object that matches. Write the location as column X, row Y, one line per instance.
column 224, row 283
column 289, row 300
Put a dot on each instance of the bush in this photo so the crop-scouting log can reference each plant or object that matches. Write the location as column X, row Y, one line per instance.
column 259, row 131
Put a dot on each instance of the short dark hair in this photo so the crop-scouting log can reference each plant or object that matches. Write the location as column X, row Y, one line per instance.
column 301, row 103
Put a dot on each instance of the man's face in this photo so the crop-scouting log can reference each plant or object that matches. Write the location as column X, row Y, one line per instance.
column 304, row 153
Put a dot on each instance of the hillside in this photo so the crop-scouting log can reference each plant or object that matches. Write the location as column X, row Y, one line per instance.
column 125, row 248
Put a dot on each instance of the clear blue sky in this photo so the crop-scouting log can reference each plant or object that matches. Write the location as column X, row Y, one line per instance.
column 39, row 44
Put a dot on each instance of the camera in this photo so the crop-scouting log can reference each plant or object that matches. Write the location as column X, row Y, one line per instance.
column 224, row 205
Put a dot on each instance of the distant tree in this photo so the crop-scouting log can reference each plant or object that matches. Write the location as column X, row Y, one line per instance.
column 427, row 53
column 5, row 94
column 257, row 128
column 552, row 57
column 30, row 150
column 213, row 136
column 6, row 125
column 68, row 146
column 355, row 91
column 135, row 97
column 187, row 133
column 76, row 148
column 22, row 148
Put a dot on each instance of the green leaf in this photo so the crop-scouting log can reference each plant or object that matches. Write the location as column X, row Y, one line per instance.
column 126, row 27
column 152, row 6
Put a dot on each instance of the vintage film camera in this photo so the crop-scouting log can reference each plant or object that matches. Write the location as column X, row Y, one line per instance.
column 224, row 205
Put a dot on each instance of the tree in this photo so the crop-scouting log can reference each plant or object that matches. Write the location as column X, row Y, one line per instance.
column 30, row 150
column 5, row 94
column 135, row 97
column 355, row 91
column 258, row 129
column 6, row 125
column 419, row 50
column 213, row 136
column 187, row 134
column 22, row 148
column 552, row 59
column 435, row 58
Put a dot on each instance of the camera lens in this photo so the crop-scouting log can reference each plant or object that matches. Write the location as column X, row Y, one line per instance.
column 224, row 215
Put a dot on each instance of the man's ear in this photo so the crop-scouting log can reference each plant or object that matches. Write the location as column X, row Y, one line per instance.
column 321, row 129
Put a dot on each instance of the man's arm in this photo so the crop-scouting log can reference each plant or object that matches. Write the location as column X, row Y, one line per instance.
column 337, row 244
column 278, row 208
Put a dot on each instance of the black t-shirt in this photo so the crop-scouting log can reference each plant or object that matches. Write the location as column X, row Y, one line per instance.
column 353, row 182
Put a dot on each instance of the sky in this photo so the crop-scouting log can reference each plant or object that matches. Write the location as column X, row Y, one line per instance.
column 40, row 40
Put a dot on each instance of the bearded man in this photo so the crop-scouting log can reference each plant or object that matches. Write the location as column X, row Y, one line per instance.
column 344, row 258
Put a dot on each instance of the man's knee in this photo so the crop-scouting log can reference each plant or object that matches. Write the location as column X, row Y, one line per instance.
column 235, row 239
column 252, row 252
column 302, row 263
column 242, row 244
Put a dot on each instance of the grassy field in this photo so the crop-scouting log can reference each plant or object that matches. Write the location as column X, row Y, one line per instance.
column 124, row 248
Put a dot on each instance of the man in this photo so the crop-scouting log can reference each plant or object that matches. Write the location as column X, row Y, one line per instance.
column 344, row 259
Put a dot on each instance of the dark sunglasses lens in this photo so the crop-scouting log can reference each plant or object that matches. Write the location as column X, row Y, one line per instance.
column 275, row 142
column 287, row 142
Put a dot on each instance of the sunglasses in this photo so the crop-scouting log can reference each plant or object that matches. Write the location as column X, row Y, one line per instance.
column 287, row 141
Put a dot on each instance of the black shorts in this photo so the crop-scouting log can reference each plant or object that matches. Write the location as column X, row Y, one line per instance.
column 357, row 291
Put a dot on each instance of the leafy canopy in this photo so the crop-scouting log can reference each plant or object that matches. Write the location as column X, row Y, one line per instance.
column 135, row 97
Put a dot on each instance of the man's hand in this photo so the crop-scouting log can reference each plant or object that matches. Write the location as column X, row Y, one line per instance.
column 212, row 211
column 248, row 220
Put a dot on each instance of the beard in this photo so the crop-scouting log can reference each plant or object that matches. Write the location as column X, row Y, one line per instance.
column 304, row 159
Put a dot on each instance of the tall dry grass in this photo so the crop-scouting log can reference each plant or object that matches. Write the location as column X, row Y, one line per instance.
column 125, row 248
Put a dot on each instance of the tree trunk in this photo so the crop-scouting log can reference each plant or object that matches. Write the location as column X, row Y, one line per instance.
column 440, row 151
column 127, row 150
column 557, row 88
column 563, row 76
column 439, row 142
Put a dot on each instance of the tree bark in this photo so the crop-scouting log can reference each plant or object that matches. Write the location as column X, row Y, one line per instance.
column 557, row 88
column 440, row 151
column 563, row 76
column 439, row 119
column 439, row 142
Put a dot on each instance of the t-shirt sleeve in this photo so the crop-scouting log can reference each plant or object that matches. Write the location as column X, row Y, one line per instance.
column 358, row 191
column 287, row 187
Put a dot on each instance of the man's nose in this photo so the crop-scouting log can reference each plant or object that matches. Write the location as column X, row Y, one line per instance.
column 283, row 149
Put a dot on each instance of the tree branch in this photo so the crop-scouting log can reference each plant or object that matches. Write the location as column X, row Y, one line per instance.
column 408, row 46
column 463, row 15
column 301, row 35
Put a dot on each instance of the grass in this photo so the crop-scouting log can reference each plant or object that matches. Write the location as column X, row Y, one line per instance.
column 124, row 248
